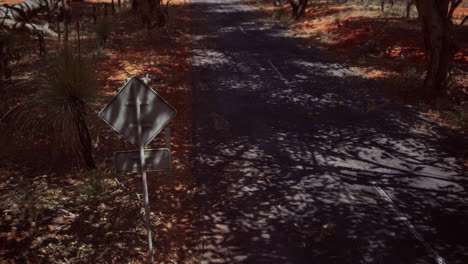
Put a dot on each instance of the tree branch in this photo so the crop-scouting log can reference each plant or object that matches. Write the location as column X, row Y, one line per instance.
column 13, row 25
column 19, row 16
column 453, row 5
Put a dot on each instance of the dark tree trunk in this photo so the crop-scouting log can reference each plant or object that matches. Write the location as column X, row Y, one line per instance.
column 78, row 36
column 409, row 3
column 65, row 33
column 42, row 45
column 382, row 4
column 58, row 31
column 298, row 8
column 149, row 9
column 435, row 17
column 65, row 23
column 160, row 14
column 145, row 8
column 94, row 15
column 85, row 141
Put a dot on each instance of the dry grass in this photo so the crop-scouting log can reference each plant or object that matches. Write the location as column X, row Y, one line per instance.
column 54, row 212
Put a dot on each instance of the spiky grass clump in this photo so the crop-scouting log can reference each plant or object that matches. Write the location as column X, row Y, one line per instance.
column 97, row 186
column 67, row 81
column 66, row 88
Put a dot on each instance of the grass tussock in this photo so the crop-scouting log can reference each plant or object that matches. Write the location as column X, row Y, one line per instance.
column 66, row 88
column 98, row 185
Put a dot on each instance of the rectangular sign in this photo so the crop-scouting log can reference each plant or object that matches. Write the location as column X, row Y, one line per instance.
column 129, row 161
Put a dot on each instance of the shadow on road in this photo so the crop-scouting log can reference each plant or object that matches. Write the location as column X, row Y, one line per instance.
column 303, row 161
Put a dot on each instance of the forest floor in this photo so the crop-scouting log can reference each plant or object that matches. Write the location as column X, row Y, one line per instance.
column 54, row 214
column 383, row 46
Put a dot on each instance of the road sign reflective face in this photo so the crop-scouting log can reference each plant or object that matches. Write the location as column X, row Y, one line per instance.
column 121, row 113
column 129, row 161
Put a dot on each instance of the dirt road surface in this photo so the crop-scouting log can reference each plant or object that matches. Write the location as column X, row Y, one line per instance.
column 301, row 160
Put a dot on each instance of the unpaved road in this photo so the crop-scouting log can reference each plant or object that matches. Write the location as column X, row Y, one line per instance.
column 301, row 161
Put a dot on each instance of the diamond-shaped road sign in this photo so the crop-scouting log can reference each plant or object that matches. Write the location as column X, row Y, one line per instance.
column 121, row 113
column 138, row 113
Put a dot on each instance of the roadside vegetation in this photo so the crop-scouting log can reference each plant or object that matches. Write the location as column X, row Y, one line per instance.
column 61, row 200
column 386, row 42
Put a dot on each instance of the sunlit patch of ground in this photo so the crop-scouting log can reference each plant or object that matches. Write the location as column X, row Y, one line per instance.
column 459, row 14
column 10, row 2
column 54, row 214
column 385, row 47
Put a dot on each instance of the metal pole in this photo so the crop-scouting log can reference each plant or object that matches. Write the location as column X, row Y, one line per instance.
column 167, row 134
column 143, row 173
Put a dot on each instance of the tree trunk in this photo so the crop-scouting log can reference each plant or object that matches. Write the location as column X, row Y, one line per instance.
column 58, row 31
column 94, row 15
column 160, row 14
column 145, row 8
column 435, row 18
column 85, row 140
column 298, row 8
column 65, row 33
column 409, row 3
column 78, row 36
column 42, row 45
column 302, row 8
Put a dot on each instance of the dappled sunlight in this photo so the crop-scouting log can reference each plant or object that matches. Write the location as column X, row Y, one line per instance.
column 301, row 159
column 382, row 46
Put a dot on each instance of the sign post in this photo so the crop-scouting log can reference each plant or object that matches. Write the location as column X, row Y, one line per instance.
column 139, row 113
column 141, row 147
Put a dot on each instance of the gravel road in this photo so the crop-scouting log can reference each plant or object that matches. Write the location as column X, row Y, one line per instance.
column 301, row 160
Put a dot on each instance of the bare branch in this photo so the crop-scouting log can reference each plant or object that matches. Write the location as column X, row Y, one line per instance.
column 14, row 25
column 453, row 5
column 19, row 16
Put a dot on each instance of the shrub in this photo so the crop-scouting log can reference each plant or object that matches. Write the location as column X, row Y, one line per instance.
column 65, row 89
